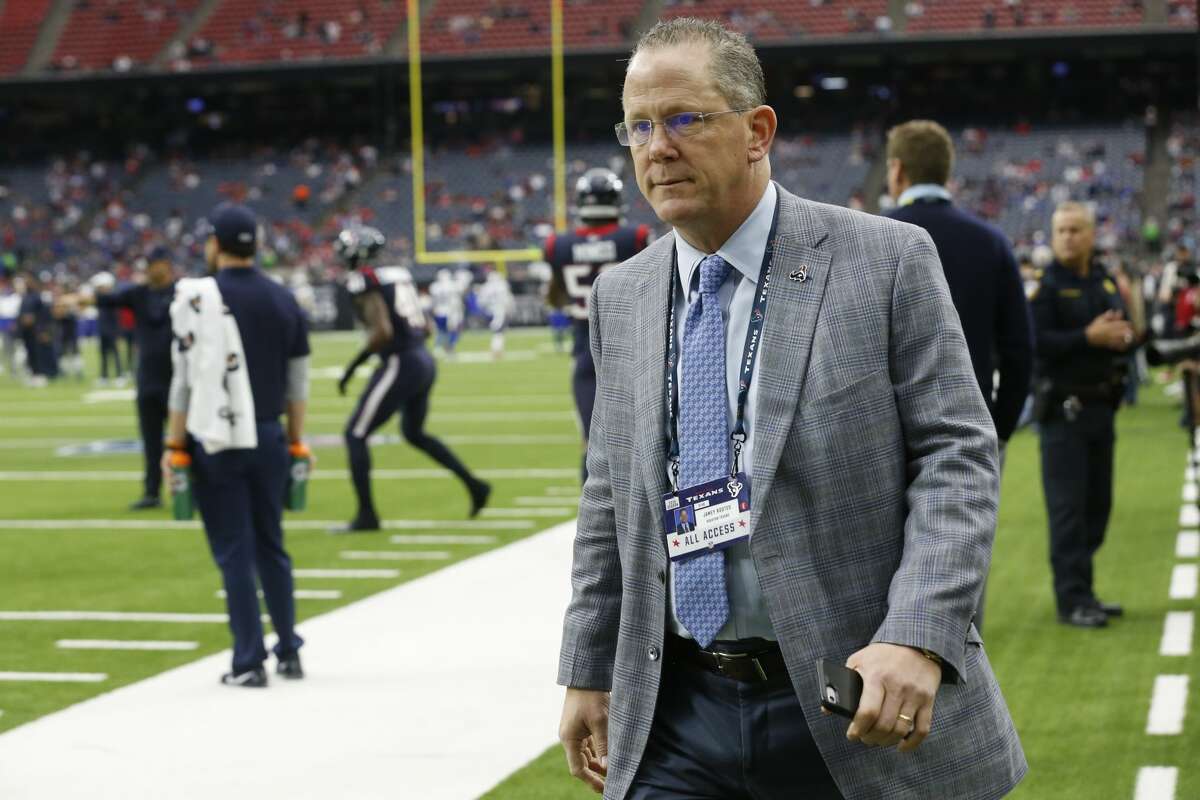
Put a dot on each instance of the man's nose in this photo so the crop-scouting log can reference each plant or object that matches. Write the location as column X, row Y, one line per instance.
column 661, row 146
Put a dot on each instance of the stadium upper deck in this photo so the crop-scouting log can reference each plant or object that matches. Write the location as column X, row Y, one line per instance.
column 126, row 35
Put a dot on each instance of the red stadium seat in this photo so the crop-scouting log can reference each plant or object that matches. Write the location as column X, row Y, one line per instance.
column 19, row 25
column 101, row 32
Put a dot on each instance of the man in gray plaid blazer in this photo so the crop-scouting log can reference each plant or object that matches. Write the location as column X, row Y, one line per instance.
column 873, row 475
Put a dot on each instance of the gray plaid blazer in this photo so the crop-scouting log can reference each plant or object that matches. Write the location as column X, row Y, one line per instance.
column 875, row 486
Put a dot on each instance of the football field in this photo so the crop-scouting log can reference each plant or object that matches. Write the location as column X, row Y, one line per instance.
column 79, row 574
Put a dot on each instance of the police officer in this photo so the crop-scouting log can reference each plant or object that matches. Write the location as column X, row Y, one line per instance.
column 150, row 303
column 388, row 303
column 576, row 258
column 240, row 492
column 1081, row 333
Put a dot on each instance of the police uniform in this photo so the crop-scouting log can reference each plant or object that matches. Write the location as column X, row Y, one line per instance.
column 240, row 492
column 152, row 330
column 576, row 259
column 1078, row 389
column 402, row 383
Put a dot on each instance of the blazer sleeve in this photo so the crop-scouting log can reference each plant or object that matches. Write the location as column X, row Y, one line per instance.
column 589, row 641
column 953, row 481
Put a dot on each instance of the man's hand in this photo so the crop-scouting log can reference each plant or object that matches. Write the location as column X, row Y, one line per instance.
column 583, row 732
column 1110, row 331
column 345, row 380
column 165, row 464
column 896, row 681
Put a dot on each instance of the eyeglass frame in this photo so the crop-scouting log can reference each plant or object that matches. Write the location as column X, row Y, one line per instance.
column 703, row 115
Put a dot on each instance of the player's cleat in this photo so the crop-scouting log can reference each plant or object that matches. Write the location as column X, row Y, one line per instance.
column 250, row 679
column 480, row 491
column 290, row 668
column 145, row 503
column 359, row 524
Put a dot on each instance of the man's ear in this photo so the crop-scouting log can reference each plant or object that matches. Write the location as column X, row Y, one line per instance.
column 761, row 132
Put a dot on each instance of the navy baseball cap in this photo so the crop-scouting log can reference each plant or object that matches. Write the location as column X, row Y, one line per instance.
column 236, row 229
column 159, row 253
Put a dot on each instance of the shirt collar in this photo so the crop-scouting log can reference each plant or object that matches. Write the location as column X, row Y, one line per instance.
column 923, row 191
column 743, row 250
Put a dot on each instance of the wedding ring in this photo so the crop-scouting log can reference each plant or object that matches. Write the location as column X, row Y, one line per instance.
column 906, row 718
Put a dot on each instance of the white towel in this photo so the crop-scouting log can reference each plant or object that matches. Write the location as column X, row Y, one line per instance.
column 208, row 350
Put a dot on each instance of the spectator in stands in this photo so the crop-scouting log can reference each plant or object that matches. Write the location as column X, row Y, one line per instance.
column 980, row 269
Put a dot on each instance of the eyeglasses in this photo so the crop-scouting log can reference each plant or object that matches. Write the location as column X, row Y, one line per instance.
column 637, row 132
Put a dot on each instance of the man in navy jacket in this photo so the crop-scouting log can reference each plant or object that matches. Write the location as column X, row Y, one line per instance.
column 985, row 283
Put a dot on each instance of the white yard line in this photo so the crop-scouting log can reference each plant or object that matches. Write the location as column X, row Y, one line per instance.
column 289, row 525
column 435, row 418
column 1177, row 634
column 108, row 616
column 1183, row 582
column 561, row 511
column 53, row 677
column 372, row 720
column 1168, row 705
column 1189, row 474
column 321, row 474
column 302, row 594
column 1156, row 783
column 1189, row 515
column 438, row 538
column 346, row 574
column 1189, row 492
column 394, row 555
column 1187, row 544
column 123, row 644
column 544, row 501
column 564, row 490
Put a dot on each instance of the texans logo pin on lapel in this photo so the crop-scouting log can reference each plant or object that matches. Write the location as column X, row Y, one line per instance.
column 799, row 275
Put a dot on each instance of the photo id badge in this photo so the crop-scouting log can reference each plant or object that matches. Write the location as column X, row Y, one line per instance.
column 709, row 516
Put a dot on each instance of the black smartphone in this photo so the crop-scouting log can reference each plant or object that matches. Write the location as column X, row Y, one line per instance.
column 841, row 688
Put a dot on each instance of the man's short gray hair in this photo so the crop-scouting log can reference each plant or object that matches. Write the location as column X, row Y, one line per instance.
column 736, row 71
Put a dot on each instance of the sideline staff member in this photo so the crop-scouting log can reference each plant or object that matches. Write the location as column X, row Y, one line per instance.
column 870, row 481
column 980, row 271
column 1082, row 335
column 151, row 306
column 240, row 492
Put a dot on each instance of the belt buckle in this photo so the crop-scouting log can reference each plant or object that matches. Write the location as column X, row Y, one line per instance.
column 733, row 658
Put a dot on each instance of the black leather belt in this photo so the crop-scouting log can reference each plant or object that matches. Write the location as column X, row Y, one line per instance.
column 758, row 665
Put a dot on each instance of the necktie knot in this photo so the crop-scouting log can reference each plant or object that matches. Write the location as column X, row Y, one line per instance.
column 713, row 272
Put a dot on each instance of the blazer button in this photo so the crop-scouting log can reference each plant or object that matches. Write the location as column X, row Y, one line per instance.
column 653, row 652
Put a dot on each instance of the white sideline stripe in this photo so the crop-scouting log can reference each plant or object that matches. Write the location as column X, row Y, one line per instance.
column 109, row 525
column 122, row 644
column 1168, row 705
column 1156, row 783
column 358, row 688
column 564, row 490
column 1177, row 634
column 1190, row 493
column 53, row 677
column 543, row 501
column 1189, row 515
column 561, row 511
column 394, row 555
column 349, row 574
column 302, row 594
column 1189, row 474
column 439, row 538
column 1183, row 581
column 321, row 474
column 1187, row 544
column 107, row 616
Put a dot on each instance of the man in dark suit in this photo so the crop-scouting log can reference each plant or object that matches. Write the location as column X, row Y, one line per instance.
column 985, row 283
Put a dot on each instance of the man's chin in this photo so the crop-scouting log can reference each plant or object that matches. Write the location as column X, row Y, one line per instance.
column 673, row 210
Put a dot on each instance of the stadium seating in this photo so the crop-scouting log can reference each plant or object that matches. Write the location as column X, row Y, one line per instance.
column 19, row 24
column 118, row 34
column 937, row 16
column 1183, row 147
column 247, row 31
column 772, row 20
column 460, row 26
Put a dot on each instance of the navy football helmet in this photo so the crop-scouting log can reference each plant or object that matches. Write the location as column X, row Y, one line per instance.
column 358, row 245
column 598, row 195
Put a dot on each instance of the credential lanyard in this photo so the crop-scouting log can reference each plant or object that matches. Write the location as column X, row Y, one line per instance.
column 758, row 315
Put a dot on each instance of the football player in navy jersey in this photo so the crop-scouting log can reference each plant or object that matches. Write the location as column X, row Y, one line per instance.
column 576, row 258
column 387, row 301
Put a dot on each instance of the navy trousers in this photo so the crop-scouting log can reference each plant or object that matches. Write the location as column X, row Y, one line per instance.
column 240, row 497
column 152, row 417
column 1077, row 461
column 717, row 739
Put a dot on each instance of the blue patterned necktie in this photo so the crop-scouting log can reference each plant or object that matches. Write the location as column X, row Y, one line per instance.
column 701, row 602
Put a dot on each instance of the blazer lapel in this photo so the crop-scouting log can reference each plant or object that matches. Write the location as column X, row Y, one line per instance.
column 649, row 387
column 798, row 276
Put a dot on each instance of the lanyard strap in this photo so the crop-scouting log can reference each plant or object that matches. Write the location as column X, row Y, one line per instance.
column 758, row 315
